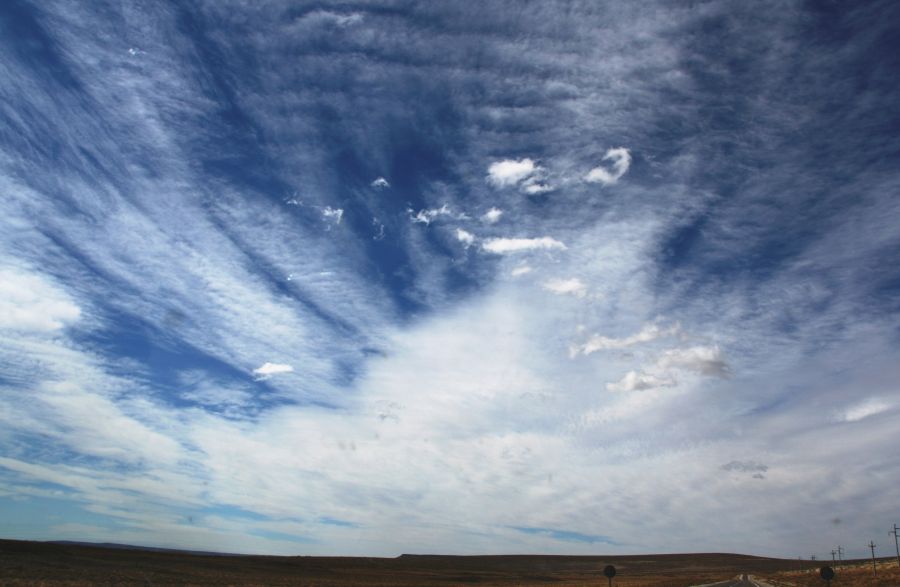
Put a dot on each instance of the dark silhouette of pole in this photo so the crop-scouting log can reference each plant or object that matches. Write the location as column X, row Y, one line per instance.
column 841, row 555
column 894, row 532
column 833, row 552
column 872, row 548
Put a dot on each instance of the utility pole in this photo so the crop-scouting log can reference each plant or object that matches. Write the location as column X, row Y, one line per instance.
column 872, row 548
column 833, row 552
column 894, row 532
column 812, row 557
column 841, row 554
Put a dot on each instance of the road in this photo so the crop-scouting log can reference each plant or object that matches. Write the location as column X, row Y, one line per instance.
column 741, row 581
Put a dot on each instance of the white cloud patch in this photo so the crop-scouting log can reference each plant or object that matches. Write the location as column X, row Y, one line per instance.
column 509, row 172
column 620, row 159
column 502, row 246
column 533, row 186
column 648, row 333
column 638, row 381
column 321, row 17
column 492, row 216
column 29, row 302
column 524, row 173
column 521, row 270
column 573, row 286
column 706, row 360
column 267, row 370
column 860, row 411
column 332, row 214
column 465, row 237
column 380, row 183
column 427, row 215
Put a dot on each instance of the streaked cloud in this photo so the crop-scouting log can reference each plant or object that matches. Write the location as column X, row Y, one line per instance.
column 31, row 303
column 573, row 286
column 637, row 381
column 502, row 246
column 268, row 369
column 155, row 266
column 864, row 409
column 648, row 333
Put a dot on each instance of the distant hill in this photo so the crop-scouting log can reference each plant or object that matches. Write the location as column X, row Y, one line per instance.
column 117, row 546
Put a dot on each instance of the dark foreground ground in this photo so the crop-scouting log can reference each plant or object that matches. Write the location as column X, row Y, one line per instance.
column 38, row 563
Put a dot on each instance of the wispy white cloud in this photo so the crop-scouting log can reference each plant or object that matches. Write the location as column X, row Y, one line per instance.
column 380, row 183
column 269, row 369
column 320, row 17
column 535, row 185
column 521, row 270
column 427, row 215
column 706, row 360
column 379, row 229
column 502, row 246
column 573, row 286
column 620, row 159
column 869, row 407
column 638, row 381
column 648, row 333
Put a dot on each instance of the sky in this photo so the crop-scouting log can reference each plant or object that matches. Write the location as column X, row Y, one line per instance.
column 372, row 278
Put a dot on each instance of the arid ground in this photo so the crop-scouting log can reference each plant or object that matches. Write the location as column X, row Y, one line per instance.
column 37, row 563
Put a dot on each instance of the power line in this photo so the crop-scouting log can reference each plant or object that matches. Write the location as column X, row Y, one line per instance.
column 872, row 548
column 894, row 532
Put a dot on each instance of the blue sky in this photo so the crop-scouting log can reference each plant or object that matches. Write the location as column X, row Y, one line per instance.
column 494, row 277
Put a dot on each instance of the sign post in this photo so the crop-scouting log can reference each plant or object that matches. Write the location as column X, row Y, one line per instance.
column 610, row 572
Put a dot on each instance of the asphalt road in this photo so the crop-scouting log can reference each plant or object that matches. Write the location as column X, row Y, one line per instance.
column 741, row 581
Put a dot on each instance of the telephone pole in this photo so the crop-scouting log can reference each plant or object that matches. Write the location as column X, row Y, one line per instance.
column 841, row 555
column 894, row 532
column 833, row 552
column 872, row 548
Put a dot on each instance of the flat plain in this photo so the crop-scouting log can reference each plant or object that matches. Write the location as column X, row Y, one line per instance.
column 50, row 564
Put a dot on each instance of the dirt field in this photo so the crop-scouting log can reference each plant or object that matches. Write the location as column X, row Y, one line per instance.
column 36, row 563
column 855, row 573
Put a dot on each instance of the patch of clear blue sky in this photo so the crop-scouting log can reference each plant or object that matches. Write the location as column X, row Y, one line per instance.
column 566, row 535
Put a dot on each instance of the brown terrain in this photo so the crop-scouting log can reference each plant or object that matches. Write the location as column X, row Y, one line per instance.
column 48, row 564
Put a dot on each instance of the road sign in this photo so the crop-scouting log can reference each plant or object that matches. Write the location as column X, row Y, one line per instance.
column 827, row 573
column 610, row 572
